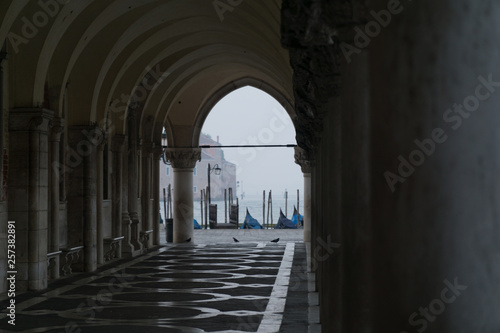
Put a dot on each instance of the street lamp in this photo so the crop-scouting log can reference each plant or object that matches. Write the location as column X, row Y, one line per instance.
column 217, row 170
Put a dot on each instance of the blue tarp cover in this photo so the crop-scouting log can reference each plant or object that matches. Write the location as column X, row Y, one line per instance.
column 196, row 224
column 284, row 223
column 250, row 222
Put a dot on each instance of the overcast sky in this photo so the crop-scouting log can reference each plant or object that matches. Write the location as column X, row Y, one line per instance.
column 251, row 116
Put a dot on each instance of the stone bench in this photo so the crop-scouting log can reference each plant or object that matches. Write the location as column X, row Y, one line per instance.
column 70, row 256
column 113, row 245
column 144, row 238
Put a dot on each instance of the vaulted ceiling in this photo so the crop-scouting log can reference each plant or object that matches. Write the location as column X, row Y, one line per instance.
column 89, row 60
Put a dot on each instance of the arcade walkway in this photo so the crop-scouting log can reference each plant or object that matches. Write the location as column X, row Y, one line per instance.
column 211, row 286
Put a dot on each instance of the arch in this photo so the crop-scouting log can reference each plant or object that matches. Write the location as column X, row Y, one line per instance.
column 229, row 88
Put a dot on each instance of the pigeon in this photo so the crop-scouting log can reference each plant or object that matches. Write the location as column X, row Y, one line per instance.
column 235, row 240
column 275, row 240
column 188, row 240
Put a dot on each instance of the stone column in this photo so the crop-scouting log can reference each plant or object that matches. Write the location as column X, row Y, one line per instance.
column 302, row 159
column 82, row 197
column 133, row 177
column 99, row 195
column 434, row 168
column 28, row 193
column 55, row 178
column 157, row 151
column 183, row 161
column 117, row 146
column 147, row 217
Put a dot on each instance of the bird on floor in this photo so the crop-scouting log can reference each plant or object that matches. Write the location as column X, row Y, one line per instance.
column 275, row 240
column 235, row 240
column 188, row 240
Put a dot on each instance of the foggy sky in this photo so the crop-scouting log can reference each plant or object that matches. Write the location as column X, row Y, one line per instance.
column 251, row 116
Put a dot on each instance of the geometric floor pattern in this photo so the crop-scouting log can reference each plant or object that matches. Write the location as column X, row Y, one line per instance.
column 217, row 288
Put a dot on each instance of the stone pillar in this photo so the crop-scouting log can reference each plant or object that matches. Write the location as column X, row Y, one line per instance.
column 99, row 195
column 157, row 151
column 183, row 161
column 133, row 179
column 117, row 146
column 55, row 178
column 82, row 197
column 147, row 216
column 302, row 159
column 28, row 193
column 434, row 170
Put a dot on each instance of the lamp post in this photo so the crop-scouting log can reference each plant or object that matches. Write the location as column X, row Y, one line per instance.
column 217, row 170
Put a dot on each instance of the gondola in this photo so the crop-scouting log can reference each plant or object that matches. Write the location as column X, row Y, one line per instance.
column 250, row 222
column 294, row 218
column 284, row 223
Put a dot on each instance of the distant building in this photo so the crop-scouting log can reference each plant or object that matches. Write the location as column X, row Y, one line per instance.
column 214, row 156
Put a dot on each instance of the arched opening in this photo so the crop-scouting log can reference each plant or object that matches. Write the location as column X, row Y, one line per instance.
column 242, row 123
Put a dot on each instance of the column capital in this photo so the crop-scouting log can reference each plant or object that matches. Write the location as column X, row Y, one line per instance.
column 303, row 158
column 57, row 128
column 36, row 119
column 183, row 158
column 118, row 143
column 90, row 135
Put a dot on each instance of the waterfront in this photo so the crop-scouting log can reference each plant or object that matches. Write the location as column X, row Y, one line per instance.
column 254, row 205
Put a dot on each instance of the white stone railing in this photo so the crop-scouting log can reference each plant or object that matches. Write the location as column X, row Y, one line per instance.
column 144, row 238
column 70, row 256
column 52, row 264
column 113, row 245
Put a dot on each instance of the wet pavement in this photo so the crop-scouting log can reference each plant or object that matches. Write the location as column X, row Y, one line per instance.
column 213, row 285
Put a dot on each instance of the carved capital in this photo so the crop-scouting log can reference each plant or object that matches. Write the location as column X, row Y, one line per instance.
column 183, row 158
column 30, row 119
column 86, row 136
column 304, row 159
column 56, row 129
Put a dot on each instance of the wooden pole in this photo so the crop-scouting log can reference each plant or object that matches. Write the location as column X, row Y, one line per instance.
column 271, row 205
column 201, row 207
column 298, row 222
column 286, row 203
column 237, row 214
column 264, row 207
column 225, row 205
column 169, row 203
column 206, row 208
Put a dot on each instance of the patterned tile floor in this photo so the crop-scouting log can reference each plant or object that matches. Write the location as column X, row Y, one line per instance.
column 210, row 287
